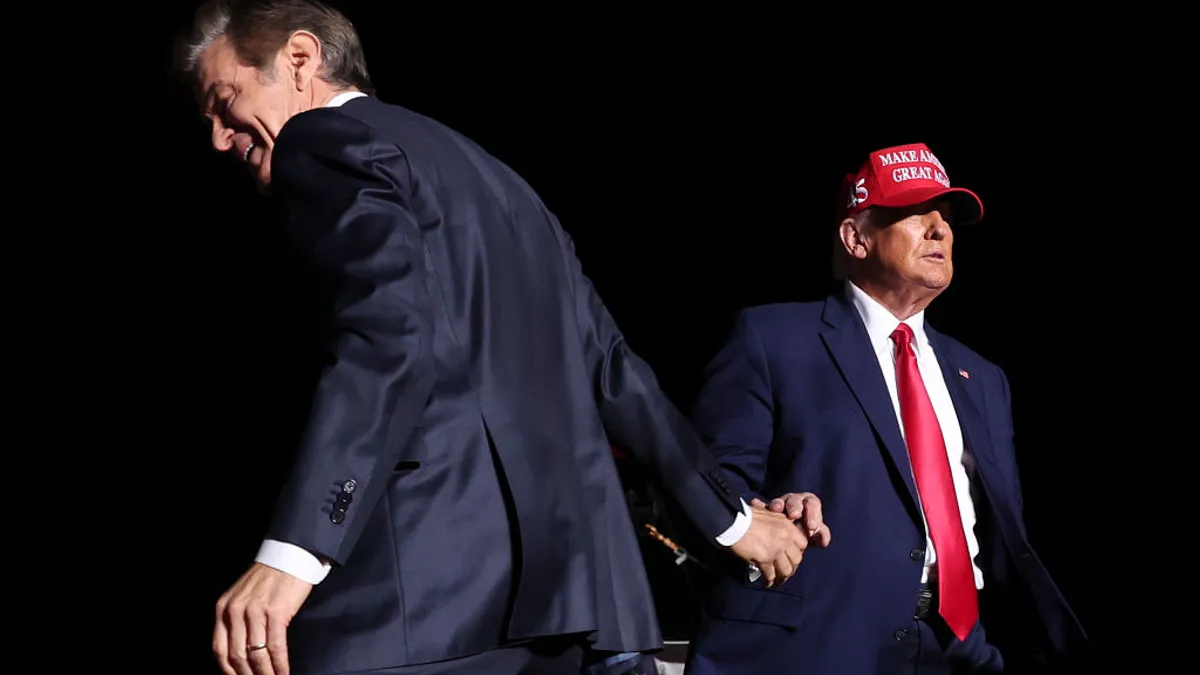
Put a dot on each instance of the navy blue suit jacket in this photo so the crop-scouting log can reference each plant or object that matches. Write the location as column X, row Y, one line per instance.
column 472, row 382
column 795, row 401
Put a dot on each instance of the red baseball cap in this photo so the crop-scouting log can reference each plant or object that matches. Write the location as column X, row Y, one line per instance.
column 905, row 175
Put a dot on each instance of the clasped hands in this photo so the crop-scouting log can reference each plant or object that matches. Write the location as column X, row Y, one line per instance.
column 252, row 616
column 780, row 532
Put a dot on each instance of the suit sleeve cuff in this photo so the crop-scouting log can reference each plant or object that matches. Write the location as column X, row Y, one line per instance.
column 293, row 560
column 741, row 525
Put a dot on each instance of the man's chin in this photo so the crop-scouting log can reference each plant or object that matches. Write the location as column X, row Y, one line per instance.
column 938, row 284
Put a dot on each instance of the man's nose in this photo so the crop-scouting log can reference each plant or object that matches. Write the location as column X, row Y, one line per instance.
column 938, row 227
column 222, row 138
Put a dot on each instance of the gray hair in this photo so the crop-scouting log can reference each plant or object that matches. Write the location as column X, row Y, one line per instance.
column 258, row 29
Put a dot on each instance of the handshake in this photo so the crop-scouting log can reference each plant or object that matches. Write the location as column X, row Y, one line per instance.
column 779, row 534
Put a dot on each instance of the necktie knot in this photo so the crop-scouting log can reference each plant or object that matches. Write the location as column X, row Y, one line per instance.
column 903, row 335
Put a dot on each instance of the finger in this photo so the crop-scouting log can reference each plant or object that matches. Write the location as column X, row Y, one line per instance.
column 277, row 643
column 784, row 569
column 261, row 662
column 768, row 573
column 256, row 634
column 758, row 503
column 781, row 571
column 235, row 618
column 220, row 644
column 795, row 505
column 799, row 540
column 822, row 537
column 814, row 518
column 795, row 556
column 777, row 505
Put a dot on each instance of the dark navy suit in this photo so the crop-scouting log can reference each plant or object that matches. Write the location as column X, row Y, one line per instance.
column 456, row 465
column 796, row 401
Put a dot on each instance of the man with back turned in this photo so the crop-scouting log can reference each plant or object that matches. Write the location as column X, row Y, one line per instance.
column 453, row 506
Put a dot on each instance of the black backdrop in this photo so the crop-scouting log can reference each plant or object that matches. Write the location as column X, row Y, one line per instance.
column 696, row 178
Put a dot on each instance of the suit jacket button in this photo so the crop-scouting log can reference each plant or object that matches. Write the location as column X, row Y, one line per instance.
column 900, row 634
column 349, row 486
column 337, row 516
column 916, row 554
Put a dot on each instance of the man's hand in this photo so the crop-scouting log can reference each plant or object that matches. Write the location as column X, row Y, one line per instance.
column 256, row 611
column 773, row 543
column 803, row 508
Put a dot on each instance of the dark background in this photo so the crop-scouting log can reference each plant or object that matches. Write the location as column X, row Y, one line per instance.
column 696, row 169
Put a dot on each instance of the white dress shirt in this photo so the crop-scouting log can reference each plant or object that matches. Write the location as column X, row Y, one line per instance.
column 880, row 323
column 304, row 565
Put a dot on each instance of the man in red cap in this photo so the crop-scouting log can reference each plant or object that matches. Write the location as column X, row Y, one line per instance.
column 906, row 436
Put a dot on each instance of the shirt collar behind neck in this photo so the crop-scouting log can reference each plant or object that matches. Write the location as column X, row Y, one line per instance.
column 880, row 322
column 341, row 98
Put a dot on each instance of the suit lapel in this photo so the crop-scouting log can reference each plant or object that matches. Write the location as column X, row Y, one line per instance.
column 967, row 396
column 967, row 401
column 848, row 344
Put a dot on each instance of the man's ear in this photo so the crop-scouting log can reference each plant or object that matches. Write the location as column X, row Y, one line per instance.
column 854, row 241
column 303, row 56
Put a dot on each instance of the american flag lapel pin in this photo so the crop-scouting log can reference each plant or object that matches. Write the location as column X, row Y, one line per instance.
column 964, row 374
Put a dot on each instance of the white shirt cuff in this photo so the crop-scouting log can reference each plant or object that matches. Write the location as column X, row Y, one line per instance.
column 293, row 560
column 741, row 525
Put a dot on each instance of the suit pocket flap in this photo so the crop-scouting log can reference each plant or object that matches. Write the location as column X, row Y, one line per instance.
column 757, row 605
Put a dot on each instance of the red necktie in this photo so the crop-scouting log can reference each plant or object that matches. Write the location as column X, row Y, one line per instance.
column 957, row 598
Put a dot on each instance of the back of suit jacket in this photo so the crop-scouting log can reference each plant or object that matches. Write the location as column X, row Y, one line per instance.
column 456, row 465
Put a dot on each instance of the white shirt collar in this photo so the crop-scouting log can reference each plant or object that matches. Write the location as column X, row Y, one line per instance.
column 341, row 98
column 880, row 322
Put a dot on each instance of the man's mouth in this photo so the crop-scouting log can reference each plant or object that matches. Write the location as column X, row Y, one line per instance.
column 246, row 153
